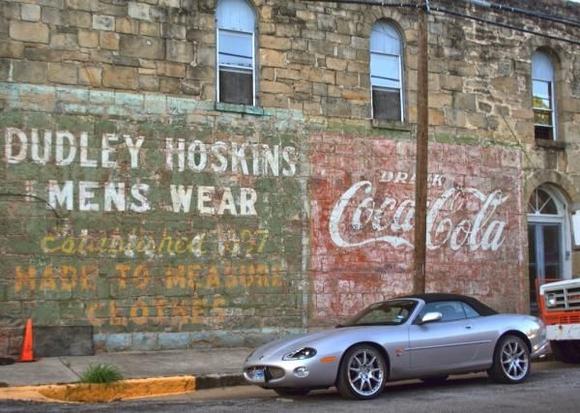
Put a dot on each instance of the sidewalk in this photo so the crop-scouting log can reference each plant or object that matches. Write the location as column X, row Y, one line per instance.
column 199, row 363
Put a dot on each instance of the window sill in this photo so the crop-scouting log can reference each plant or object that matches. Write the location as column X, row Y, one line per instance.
column 390, row 124
column 239, row 108
column 548, row 144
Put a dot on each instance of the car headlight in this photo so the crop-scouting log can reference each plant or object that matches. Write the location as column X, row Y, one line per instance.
column 300, row 354
column 551, row 300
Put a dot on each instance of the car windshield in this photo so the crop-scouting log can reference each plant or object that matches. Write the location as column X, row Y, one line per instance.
column 386, row 313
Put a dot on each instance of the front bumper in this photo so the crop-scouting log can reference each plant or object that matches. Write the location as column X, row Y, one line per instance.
column 541, row 350
column 283, row 374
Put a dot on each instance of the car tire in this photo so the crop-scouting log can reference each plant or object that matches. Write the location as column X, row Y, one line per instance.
column 511, row 360
column 434, row 381
column 362, row 373
column 289, row 392
column 566, row 351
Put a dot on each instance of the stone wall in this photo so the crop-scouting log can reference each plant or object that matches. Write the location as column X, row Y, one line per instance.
column 134, row 203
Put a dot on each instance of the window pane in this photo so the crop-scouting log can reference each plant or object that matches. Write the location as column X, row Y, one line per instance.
column 541, row 89
column 385, row 71
column 236, row 86
column 543, row 132
column 386, row 104
column 385, row 39
column 469, row 311
column 542, row 68
column 451, row 310
column 235, row 48
column 235, row 15
column 542, row 118
column 540, row 103
column 551, row 234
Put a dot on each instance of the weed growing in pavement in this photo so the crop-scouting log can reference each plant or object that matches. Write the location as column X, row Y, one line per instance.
column 101, row 373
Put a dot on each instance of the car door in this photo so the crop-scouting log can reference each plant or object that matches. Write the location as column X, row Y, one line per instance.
column 444, row 345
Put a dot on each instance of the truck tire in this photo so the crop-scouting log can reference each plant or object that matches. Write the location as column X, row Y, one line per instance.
column 567, row 351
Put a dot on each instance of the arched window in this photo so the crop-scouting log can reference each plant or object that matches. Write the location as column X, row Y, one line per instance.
column 386, row 72
column 236, row 51
column 543, row 96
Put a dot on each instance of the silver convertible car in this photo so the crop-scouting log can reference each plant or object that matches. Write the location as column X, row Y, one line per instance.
column 427, row 336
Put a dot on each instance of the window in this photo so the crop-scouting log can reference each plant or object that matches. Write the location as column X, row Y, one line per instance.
column 450, row 310
column 386, row 68
column 236, row 68
column 543, row 96
column 470, row 311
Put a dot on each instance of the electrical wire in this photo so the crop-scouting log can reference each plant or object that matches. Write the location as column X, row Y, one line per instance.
column 30, row 196
column 442, row 10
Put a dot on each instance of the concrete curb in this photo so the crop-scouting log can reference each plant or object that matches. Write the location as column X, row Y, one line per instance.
column 122, row 390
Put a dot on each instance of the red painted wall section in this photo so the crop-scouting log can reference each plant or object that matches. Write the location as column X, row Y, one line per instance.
column 362, row 204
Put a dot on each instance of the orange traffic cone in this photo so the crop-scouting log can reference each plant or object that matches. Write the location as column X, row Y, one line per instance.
column 27, row 353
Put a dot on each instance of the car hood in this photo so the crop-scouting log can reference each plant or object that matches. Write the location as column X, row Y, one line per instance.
column 275, row 350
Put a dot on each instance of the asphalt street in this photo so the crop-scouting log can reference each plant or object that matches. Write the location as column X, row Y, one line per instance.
column 551, row 387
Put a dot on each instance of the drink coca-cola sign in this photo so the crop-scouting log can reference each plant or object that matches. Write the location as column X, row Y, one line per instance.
column 456, row 218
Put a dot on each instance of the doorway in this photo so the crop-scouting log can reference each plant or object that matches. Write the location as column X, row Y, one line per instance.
column 548, row 239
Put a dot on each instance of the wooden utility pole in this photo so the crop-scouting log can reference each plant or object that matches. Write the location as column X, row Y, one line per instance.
column 421, row 165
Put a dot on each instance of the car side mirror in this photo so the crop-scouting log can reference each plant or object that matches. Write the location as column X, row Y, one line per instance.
column 431, row 317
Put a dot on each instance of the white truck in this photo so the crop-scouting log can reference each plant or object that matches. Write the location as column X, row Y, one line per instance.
column 559, row 306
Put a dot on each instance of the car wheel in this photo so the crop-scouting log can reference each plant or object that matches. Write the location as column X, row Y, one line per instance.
column 362, row 373
column 511, row 360
column 289, row 392
column 566, row 351
column 433, row 381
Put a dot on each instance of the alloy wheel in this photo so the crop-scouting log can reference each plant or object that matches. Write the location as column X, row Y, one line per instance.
column 365, row 372
column 514, row 360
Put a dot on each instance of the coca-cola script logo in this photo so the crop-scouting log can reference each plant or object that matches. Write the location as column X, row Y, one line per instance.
column 458, row 217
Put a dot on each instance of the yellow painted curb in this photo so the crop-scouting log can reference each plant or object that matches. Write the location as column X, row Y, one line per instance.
column 82, row 392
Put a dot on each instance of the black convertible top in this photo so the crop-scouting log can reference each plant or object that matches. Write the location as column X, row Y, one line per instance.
column 477, row 305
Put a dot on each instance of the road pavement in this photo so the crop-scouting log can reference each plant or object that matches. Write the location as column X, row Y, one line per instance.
column 551, row 387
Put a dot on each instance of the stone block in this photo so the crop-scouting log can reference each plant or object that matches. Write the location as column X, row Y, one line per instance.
column 79, row 4
column 274, row 58
column 79, row 19
column 275, row 87
column 29, row 71
column 120, row 77
column 149, row 29
column 64, row 41
column 109, row 40
column 30, row 12
column 150, row 83
column 88, row 38
column 90, row 75
column 174, row 341
column 11, row 49
column 103, row 22
column 126, row 25
column 178, row 51
column 277, row 43
column 336, row 64
column 53, row 16
column 118, row 342
column 144, row 341
column 140, row 46
column 63, row 341
column 170, row 69
column 29, row 32
column 63, row 73
column 140, row 11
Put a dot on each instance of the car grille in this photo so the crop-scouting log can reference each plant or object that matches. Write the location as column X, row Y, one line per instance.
column 270, row 373
column 566, row 298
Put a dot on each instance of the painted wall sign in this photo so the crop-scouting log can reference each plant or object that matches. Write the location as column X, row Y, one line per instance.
column 362, row 202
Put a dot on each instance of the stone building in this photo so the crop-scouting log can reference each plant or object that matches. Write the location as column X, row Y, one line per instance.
column 186, row 172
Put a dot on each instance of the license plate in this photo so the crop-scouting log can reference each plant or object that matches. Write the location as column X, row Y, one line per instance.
column 259, row 375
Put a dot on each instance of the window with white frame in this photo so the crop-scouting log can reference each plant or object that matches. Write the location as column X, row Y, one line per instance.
column 543, row 100
column 236, row 52
column 386, row 72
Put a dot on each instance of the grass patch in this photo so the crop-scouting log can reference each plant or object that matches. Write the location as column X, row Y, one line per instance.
column 101, row 373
